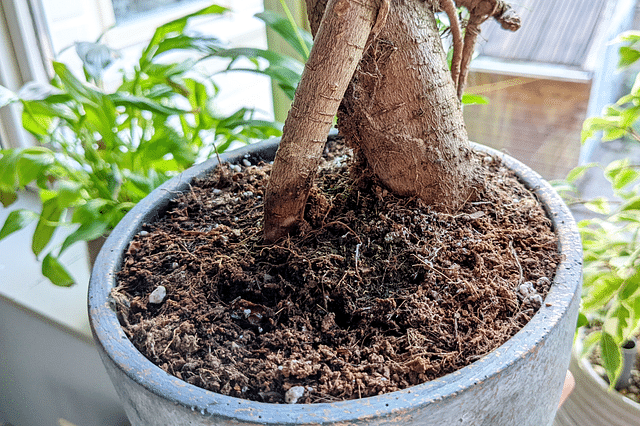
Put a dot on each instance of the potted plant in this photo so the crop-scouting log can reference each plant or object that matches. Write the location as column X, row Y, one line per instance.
column 518, row 383
column 610, row 308
column 100, row 151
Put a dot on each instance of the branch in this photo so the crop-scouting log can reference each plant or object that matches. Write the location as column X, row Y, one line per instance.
column 456, row 33
column 338, row 47
column 480, row 11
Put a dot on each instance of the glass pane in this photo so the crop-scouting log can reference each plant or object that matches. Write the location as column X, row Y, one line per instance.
column 128, row 10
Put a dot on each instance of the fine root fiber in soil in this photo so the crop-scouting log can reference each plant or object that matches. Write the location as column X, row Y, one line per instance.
column 375, row 294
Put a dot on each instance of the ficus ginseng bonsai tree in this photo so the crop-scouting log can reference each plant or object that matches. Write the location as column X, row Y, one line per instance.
column 380, row 65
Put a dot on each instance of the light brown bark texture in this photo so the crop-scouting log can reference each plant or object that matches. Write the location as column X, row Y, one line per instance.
column 400, row 108
column 338, row 46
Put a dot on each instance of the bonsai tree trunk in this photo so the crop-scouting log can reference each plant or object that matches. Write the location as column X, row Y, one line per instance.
column 383, row 63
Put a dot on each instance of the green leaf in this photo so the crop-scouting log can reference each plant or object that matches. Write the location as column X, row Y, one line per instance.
column 613, row 133
column 617, row 322
column 284, row 70
column 577, row 172
column 628, row 56
column 598, row 293
column 599, row 205
column 57, row 274
column 80, row 91
column 635, row 90
column 624, row 178
column 301, row 41
column 32, row 163
column 90, row 211
column 8, row 172
column 611, row 358
column 47, row 224
column 86, row 232
column 37, row 118
column 589, row 342
column 471, row 99
column 173, row 27
column 17, row 220
column 582, row 320
column 206, row 45
column 67, row 193
column 631, row 36
column 629, row 116
column 144, row 104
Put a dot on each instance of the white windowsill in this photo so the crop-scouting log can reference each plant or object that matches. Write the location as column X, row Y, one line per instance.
column 22, row 282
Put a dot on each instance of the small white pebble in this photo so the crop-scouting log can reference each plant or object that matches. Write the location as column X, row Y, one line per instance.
column 235, row 168
column 247, row 194
column 246, row 162
column 174, row 265
column 543, row 281
column 526, row 288
column 143, row 233
column 216, row 191
column 536, row 300
column 157, row 296
column 293, row 394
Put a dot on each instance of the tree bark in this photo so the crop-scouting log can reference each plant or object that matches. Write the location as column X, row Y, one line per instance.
column 400, row 107
column 340, row 40
column 401, row 110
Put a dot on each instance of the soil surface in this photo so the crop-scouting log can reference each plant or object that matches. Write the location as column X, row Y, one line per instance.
column 375, row 294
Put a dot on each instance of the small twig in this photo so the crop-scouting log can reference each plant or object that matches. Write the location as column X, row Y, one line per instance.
column 515, row 256
column 175, row 330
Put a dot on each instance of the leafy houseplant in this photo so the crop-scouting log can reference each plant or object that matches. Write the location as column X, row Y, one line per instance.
column 611, row 297
column 101, row 152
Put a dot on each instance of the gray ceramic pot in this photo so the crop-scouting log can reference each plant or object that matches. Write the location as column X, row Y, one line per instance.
column 517, row 384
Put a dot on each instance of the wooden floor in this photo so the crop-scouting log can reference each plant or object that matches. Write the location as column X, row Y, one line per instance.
column 536, row 121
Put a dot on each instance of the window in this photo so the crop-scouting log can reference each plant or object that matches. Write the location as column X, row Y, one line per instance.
column 128, row 10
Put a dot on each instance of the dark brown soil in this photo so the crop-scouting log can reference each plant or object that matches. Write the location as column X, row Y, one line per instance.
column 376, row 294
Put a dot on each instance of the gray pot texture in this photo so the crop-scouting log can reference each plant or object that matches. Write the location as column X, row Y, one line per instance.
column 518, row 384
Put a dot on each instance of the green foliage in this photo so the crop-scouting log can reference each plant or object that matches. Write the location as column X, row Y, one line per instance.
column 101, row 152
column 622, row 118
column 611, row 240
column 284, row 70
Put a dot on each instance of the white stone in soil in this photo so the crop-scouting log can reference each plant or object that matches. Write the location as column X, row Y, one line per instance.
column 293, row 394
column 157, row 296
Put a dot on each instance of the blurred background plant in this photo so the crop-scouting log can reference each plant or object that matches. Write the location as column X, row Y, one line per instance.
column 610, row 308
column 100, row 152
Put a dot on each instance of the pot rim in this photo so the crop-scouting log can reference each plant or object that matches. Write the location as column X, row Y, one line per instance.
column 111, row 339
